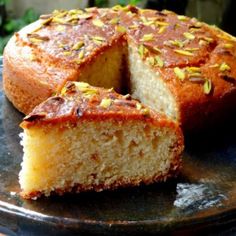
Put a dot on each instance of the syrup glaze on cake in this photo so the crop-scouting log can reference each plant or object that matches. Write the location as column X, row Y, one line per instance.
column 172, row 63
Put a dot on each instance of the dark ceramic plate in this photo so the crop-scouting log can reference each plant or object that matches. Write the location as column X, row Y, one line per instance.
column 202, row 198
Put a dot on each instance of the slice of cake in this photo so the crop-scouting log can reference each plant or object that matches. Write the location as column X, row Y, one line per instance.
column 89, row 138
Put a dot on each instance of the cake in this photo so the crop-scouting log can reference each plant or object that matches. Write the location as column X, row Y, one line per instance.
column 89, row 138
column 172, row 63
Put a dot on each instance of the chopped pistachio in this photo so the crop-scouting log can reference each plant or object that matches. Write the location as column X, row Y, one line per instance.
column 81, row 54
column 117, row 8
column 156, row 49
column 179, row 73
column 106, row 102
column 162, row 29
column 138, row 106
column 194, row 74
column 146, row 37
column 182, row 18
column 224, row 67
column 148, row 23
column 161, row 23
column 81, row 85
column 188, row 35
column 177, row 43
column 191, row 49
column 228, row 45
column 58, row 20
column 183, row 52
column 85, row 16
column 120, row 29
column 98, row 23
column 77, row 61
column 208, row 39
column 98, row 39
column 207, row 87
column 78, row 45
column 193, row 69
column 36, row 41
column 159, row 61
column 63, row 91
column 142, row 50
column 67, row 53
column 114, row 21
column 133, row 27
column 89, row 92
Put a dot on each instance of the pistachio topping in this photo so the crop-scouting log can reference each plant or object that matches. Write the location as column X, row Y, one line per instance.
column 78, row 45
column 67, row 53
column 208, row 39
column 183, row 52
column 81, row 54
column 191, row 49
column 98, row 23
column 224, row 67
column 188, row 35
column 146, row 37
column 159, row 61
column 138, row 106
column 161, row 23
column 193, row 69
column 182, row 18
column 142, row 51
column 179, row 73
column 98, row 39
column 162, row 29
column 114, row 21
column 120, row 29
column 207, row 86
column 81, row 85
column 176, row 42
column 106, row 102
column 228, row 45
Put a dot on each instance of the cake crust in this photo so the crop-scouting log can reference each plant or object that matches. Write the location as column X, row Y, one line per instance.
column 195, row 61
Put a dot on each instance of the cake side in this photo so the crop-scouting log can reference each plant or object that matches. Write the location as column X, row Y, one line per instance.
column 88, row 138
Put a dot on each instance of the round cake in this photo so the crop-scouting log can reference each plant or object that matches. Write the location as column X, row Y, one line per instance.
column 174, row 64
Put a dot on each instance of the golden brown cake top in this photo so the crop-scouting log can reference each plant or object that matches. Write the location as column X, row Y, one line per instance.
column 181, row 48
column 79, row 100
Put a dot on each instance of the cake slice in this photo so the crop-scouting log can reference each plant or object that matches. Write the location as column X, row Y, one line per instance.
column 89, row 138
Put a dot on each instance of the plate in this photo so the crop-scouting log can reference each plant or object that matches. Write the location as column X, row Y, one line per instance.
column 203, row 197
